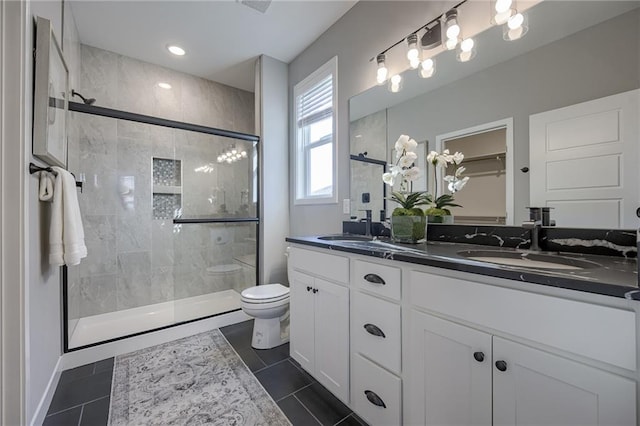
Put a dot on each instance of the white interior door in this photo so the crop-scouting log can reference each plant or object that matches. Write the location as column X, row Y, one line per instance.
column 584, row 162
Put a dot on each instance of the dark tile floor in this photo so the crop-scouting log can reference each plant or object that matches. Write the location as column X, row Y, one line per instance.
column 83, row 393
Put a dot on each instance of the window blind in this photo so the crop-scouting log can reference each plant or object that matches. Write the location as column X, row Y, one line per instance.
column 316, row 103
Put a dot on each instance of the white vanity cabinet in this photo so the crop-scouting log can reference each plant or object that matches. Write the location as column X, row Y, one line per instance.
column 319, row 312
column 475, row 374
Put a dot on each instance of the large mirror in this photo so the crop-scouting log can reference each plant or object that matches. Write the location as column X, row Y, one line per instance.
column 576, row 52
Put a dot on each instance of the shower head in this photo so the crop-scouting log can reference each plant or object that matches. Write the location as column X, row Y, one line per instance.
column 89, row 101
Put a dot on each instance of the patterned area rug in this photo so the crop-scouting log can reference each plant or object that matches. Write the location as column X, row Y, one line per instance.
column 198, row 380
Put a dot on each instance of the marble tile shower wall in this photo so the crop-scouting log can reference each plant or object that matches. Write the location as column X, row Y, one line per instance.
column 134, row 260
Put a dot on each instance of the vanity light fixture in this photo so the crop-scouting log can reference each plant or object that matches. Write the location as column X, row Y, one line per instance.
column 466, row 50
column 413, row 54
column 427, row 68
column 451, row 29
column 516, row 27
column 164, row 85
column 501, row 11
column 382, row 73
column 395, row 83
column 176, row 50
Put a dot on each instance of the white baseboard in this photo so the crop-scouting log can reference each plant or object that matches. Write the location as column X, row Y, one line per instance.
column 119, row 347
column 45, row 401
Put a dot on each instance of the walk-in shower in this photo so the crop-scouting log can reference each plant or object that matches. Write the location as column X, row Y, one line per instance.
column 170, row 213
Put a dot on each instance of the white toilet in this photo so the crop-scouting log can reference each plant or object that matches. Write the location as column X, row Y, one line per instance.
column 269, row 305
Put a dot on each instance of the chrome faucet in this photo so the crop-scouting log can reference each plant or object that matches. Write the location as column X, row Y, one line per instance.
column 535, row 226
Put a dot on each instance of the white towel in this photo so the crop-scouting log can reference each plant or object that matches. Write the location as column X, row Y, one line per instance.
column 66, row 234
column 46, row 186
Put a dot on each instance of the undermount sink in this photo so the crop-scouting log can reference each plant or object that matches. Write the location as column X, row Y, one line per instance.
column 528, row 260
column 346, row 238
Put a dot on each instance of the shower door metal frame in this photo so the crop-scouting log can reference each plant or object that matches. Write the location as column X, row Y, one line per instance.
column 147, row 119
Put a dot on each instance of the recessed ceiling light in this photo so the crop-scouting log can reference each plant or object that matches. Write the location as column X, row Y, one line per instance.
column 176, row 50
column 164, row 85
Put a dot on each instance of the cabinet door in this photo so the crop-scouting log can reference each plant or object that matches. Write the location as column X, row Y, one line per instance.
column 301, row 329
column 332, row 337
column 449, row 373
column 538, row 388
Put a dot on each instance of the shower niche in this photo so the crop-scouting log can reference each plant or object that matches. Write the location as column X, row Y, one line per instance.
column 167, row 188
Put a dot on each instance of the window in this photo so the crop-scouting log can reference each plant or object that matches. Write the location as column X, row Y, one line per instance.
column 315, row 128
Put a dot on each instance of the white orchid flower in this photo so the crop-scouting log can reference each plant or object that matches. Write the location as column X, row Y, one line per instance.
column 411, row 174
column 442, row 160
column 458, row 157
column 431, row 158
column 396, row 170
column 387, row 178
column 408, row 159
column 456, row 184
column 459, row 171
column 405, row 143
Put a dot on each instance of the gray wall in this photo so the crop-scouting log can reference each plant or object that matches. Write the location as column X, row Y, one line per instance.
column 584, row 66
column 364, row 31
column 43, row 293
column 271, row 114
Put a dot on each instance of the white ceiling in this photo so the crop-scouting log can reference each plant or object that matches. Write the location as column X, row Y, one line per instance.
column 222, row 37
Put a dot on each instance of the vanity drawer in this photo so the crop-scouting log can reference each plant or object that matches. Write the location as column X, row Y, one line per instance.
column 380, row 279
column 329, row 266
column 376, row 330
column 375, row 393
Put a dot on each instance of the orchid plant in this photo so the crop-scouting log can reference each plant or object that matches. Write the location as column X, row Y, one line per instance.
column 406, row 172
column 440, row 205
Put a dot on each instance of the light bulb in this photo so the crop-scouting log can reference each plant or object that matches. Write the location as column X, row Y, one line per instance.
column 243, row 153
column 427, row 68
column 516, row 27
column 176, row 50
column 515, row 21
column 414, row 63
column 502, row 6
column 451, row 43
column 229, row 160
column 413, row 52
column 381, row 75
column 234, row 151
column 395, row 83
column 164, row 85
column 453, row 31
column 467, row 45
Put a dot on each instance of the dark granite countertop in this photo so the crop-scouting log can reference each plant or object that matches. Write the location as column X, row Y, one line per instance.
column 609, row 275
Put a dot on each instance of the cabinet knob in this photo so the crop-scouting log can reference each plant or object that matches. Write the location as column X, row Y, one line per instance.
column 374, row 279
column 479, row 356
column 308, row 288
column 374, row 399
column 374, row 330
column 501, row 365
column 315, row 290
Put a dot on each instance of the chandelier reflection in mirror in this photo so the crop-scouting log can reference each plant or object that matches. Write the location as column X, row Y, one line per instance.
column 445, row 31
column 231, row 155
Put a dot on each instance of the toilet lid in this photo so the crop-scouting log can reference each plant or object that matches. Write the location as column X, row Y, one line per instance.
column 265, row 293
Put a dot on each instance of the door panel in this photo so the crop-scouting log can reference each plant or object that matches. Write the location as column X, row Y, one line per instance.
column 301, row 329
column 538, row 388
column 446, row 384
column 332, row 337
column 584, row 154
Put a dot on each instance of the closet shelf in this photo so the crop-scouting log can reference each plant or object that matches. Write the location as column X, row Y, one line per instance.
column 161, row 189
column 494, row 156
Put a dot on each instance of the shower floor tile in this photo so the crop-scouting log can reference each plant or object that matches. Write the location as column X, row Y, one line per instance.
column 83, row 393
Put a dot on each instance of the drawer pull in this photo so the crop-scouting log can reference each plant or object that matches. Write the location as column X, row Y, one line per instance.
column 375, row 330
column 308, row 288
column 375, row 279
column 479, row 356
column 501, row 365
column 374, row 399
